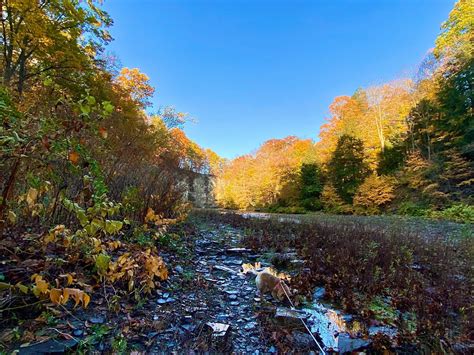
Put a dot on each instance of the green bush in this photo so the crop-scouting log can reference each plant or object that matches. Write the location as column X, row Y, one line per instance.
column 410, row 208
column 312, row 204
column 459, row 212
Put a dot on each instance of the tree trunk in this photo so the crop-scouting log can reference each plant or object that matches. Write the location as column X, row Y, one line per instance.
column 6, row 192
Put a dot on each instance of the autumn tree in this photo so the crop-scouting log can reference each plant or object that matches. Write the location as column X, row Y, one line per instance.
column 136, row 85
column 374, row 194
column 347, row 168
column 389, row 105
column 347, row 117
column 268, row 177
column 50, row 37
column 455, row 44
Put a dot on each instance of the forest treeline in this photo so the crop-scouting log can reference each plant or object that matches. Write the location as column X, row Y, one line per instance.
column 76, row 126
column 405, row 147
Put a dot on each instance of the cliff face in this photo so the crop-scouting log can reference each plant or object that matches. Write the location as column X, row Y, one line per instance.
column 200, row 190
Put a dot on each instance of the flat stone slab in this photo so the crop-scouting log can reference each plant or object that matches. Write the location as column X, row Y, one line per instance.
column 52, row 346
column 218, row 329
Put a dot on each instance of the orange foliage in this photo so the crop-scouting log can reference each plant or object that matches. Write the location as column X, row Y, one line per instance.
column 136, row 84
column 375, row 115
column 266, row 177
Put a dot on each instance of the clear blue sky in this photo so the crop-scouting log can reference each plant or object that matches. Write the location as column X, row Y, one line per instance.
column 248, row 71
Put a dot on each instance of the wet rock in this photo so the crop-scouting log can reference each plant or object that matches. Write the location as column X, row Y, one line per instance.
column 225, row 268
column 189, row 327
column 52, row 346
column 232, row 292
column 179, row 269
column 319, row 293
column 232, row 297
column 237, row 250
column 392, row 332
column 282, row 312
column 97, row 320
column 347, row 344
column 233, row 262
column 218, row 329
column 151, row 335
column 78, row 332
column 302, row 340
column 165, row 300
column 250, row 325
column 222, row 317
column 234, row 303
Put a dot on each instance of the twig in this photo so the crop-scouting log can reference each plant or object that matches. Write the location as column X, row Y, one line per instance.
column 25, row 305
column 65, row 335
column 68, row 312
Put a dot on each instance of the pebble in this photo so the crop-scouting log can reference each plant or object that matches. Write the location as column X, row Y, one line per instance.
column 78, row 332
column 97, row 320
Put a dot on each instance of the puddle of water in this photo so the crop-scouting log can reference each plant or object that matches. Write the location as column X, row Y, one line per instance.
column 339, row 331
column 263, row 215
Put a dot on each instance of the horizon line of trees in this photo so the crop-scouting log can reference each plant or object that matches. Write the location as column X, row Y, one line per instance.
column 406, row 146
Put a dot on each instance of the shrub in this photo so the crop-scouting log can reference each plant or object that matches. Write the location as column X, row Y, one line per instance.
column 410, row 208
column 374, row 193
column 458, row 212
column 332, row 202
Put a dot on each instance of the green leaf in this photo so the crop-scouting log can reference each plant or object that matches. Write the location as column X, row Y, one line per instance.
column 108, row 107
column 22, row 287
column 90, row 100
column 85, row 109
column 47, row 82
column 102, row 263
column 4, row 286
column 81, row 216
column 113, row 227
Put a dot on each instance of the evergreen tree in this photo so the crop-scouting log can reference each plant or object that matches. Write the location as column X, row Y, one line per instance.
column 311, row 186
column 347, row 167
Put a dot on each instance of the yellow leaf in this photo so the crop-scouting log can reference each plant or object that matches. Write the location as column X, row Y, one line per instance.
column 11, row 217
column 56, row 296
column 31, row 196
column 41, row 285
column 69, row 278
column 86, row 299
column 77, row 295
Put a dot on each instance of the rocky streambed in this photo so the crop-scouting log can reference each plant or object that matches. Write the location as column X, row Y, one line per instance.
column 220, row 309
